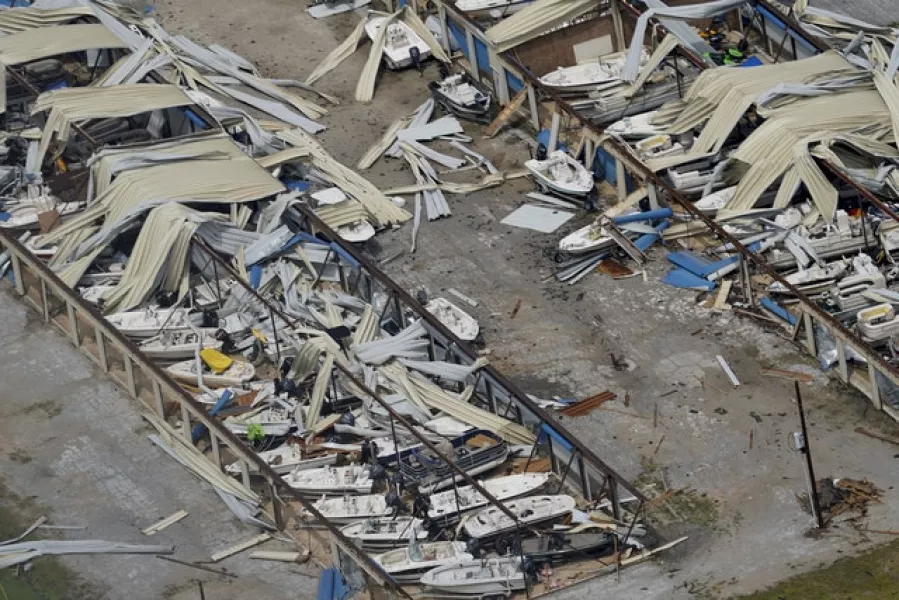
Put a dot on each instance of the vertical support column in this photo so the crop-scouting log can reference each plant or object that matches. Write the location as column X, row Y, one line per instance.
column 618, row 37
column 185, row 424
column 554, row 130
column 589, row 151
column 101, row 349
column 532, row 107
column 280, row 523
column 620, row 180
column 216, row 450
column 157, row 398
column 585, row 479
column 73, row 323
column 613, row 498
column 129, row 374
column 875, row 391
column 842, row 364
column 500, row 82
column 17, row 272
column 245, row 473
column 444, row 29
column 45, row 302
column 653, row 196
column 809, row 322
column 472, row 55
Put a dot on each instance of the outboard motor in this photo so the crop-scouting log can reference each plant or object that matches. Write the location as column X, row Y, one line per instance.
column 590, row 201
column 541, row 152
column 444, row 71
column 166, row 299
column 210, row 318
column 415, row 55
column 473, row 547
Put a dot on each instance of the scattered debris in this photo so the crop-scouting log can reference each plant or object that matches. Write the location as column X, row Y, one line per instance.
column 588, row 404
column 728, row 371
column 786, row 374
column 160, row 525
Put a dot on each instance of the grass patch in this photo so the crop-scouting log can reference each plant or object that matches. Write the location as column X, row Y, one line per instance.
column 874, row 574
column 47, row 579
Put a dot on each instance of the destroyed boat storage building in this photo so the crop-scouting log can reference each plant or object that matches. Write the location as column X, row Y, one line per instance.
column 799, row 55
column 174, row 225
column 182, row 171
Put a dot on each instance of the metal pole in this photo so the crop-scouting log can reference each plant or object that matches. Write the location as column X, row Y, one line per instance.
column 809, row 469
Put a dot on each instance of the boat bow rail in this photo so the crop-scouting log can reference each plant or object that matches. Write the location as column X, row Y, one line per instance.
column 158, row 393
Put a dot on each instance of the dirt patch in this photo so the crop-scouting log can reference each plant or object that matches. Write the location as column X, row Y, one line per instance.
column 20, row 456
column 50, row 408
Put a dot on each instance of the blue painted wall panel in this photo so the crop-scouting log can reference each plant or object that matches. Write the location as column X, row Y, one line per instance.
column 458, row 32
column 480, row 50
column 514, row 83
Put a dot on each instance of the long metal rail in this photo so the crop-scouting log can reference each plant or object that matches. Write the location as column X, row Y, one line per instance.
column 162, row 386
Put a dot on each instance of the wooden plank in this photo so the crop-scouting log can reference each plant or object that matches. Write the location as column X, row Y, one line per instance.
column 723, row 293
column 506, row 113
column 877, row 436
column 240, row 547
column 794, row 375
column 160, row 525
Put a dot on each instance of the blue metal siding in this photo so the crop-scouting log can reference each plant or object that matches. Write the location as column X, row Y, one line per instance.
column 514, row 83
column 458, row 32
column 480, row 51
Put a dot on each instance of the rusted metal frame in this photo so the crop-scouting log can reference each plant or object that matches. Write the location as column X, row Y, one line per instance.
column 375, row 396
column 195, row 410
column 514, row 391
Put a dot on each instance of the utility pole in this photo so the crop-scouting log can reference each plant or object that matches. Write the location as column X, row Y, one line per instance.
column 802, row 446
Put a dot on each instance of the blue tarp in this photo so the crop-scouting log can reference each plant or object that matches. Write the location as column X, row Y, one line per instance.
column 697, row 264
column 779, row 310
column 649, row 215
column 752, row 61
column 255, row 276
column 685, row 279
column 4, row 216
column 648, row 239
column 543, row 138
column 331, row 585
column 199, row 429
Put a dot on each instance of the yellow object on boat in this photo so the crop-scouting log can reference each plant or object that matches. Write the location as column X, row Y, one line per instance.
column 215, row 360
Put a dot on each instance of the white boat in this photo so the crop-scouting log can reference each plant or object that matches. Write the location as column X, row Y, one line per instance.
column 478, row 8
column 581, row 78
column 714, row 202
column 150, row 321
column 399, row 42
column 658, row 146
column 360, row 231
column 350, row 479
column 561, row 174
column 635, row 127
column 463, row 325
column 586, row 239
column 456, row 94
column 385, row 533
column 179, row 344
column 286, row 459
column 406, row 565
column 448, row 505
column 813, row 280
column 349, row 509
column 273, row 421
column 238, row 373
column 532, row 510
column 25, row 214
column 477, row 578
column 877, row 323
